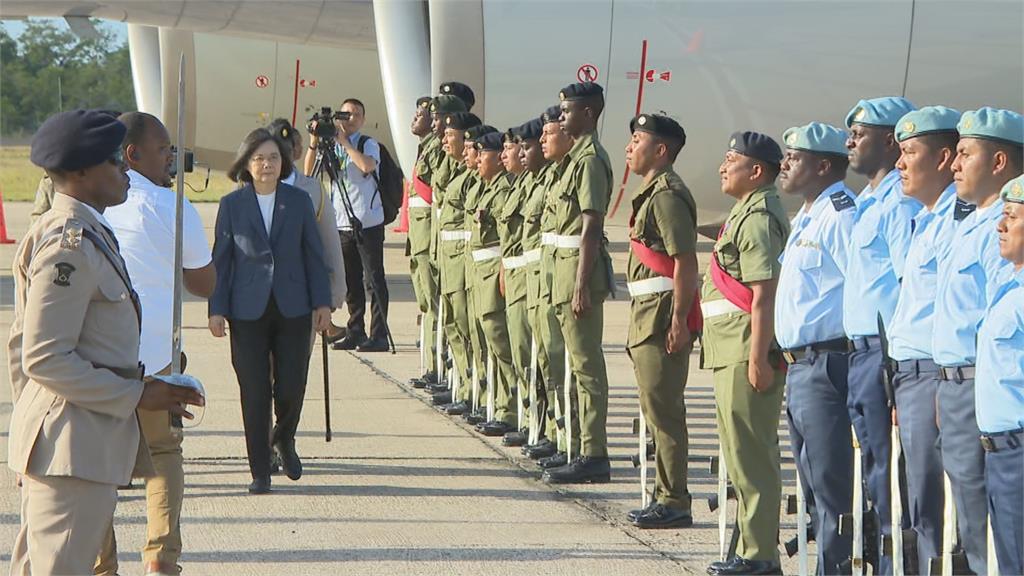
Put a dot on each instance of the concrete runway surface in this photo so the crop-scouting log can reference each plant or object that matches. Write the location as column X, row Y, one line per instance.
column 402, row 489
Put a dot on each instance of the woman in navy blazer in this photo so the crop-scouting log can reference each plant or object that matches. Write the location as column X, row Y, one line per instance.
column 272, row 288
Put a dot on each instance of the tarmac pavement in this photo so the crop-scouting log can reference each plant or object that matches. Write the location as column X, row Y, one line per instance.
column 402, row 488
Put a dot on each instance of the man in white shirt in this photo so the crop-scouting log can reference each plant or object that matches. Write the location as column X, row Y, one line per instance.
column 144, row 228
column 356, row 195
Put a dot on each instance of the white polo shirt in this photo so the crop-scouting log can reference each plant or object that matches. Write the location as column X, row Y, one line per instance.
column 361, row 188
column 144, row 227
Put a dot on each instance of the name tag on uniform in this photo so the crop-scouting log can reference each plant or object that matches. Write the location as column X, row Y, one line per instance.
column 802, row 243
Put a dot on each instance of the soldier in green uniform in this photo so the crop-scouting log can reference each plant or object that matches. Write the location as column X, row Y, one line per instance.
column 555, row 145
column 582, row 277
column 486, row 252
column 421, row 225
column 662, row 282
column 513, row 266
column 532, row 158
column 738, row 301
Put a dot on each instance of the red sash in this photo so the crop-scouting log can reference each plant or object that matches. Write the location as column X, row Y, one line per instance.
column 422, row 189
column 734, row 291
column 664, row 265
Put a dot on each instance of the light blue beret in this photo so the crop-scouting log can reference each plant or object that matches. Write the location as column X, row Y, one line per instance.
column 1013, row 191
column 927, row 120
column 992, row 124
column 884, row 111
column 817, row 137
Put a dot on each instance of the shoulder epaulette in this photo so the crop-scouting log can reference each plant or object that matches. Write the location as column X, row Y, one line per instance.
column 962, row 210
column 842, row 201
column 71, row 235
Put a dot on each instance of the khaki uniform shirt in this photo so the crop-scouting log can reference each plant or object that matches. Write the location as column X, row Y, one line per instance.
column 585, row 185
column 449, row 189
column 444, row 169
column 533, row 212
column 510, row 228
column 44, row 197
column 74, row 353
column 664, row 220
column 490, row 199
column 549, row 226
column 421, row 218
column 748, row 249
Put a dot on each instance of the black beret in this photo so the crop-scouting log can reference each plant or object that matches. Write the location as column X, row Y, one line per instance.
column 757, row 146
column 461, row 91
column 424, row 102
column 660, row 126
column 479, row 130
column 530, row 130
column 580, row 90
column 552, row 114
column 489, row 141
column 76, row 140
column 462, row 121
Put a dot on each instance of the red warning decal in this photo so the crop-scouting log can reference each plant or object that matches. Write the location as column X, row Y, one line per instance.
column 587, row 73
column 262, row 81
column 303, row 83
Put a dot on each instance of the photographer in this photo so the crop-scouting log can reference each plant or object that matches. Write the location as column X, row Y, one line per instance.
column 360, row 220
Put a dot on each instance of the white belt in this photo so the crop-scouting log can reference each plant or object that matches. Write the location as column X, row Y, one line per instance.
column 453, row 235
column 513, row 262
column 547, row 239
column 570, row 242
column 649, row 286
column 486, row 254
column 718, row 308
column 532, row 256
column 418, row 202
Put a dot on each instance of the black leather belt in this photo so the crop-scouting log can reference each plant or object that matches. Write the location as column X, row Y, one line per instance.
column 863, row 343
column 136, row 373
column 913, row 366
column 794, row 355
column 1008, row 440
column 956, row 374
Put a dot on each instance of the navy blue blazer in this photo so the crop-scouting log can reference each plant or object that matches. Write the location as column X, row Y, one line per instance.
column 252, row 266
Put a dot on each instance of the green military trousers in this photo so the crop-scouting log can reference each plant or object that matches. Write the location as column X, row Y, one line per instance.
column 554, row 347
column 748, row 423
column 517, row 318
column 583, row 338
column 424, row 284
column 456, row 330
column 547, row 395
column 495, row 330
column 661, row 380
column 478, row 344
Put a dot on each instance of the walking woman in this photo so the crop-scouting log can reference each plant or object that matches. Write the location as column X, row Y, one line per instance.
column 272, row 288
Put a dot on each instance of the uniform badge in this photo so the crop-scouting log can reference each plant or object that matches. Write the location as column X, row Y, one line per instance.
column 1017, row 189
column 561, row 95
column 446, row 88
column 732, row 143
column 909, row 127
column 62, row 274
column 791, row 139
column 861, row 113
column 641, row 120
column 962, row 210
column 968, row 123
column 71, row 238
column 433, row 107
column 842, row 201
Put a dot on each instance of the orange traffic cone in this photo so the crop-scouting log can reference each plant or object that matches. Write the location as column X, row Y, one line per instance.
column 403, row 215
column 4, row 239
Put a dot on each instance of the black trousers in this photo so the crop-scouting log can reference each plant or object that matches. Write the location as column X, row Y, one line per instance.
column 364, row 274
column 278, row 344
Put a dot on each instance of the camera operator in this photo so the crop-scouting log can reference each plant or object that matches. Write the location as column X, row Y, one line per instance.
column 362, row 237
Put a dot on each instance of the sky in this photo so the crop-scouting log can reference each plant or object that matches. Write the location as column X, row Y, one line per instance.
column 16, row 27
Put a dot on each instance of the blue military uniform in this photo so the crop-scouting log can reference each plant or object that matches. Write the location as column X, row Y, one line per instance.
column 915, row 379
column 966, row 284
column 999, row 398
column 878, row 250
column 809, row 328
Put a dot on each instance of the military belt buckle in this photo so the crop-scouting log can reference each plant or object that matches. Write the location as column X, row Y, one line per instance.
column 789, row 357
column 988, row 444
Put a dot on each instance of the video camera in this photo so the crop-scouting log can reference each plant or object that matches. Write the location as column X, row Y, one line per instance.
column 189, row 161
column 324, row 120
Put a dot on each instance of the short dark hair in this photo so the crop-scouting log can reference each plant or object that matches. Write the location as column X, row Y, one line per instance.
column 239, row 171
column 137, row 123
column 279, row 127
column 355, row 101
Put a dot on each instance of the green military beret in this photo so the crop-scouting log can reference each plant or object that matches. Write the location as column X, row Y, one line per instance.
column 460, row 91
column 461, row 121
column 1013, row 191
column 530, row 130
column 424, row 102
column 478, row 130
column 490, row 141
column 580, row 90
column 447, row 104
column 659, row 125
column 992, row 124
column 552, row 114
column 818, row 138
column 884, row 111
column 927, row 120
column 757, row 146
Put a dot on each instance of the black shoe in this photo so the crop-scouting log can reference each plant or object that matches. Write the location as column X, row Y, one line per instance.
column 542, row 450
column 375, row 345
column 424, row 381
column 441, row 398
column 583, row 469
column 275, row 462
column 543, row 440
column 476, row 416
column 514, row 438
column 739, row 566
column 457, row 408
column 494, row 428
column 260, row 485
column 437, row 387
column 349, row 342
column 557, row 460
column 290, row 462
column 661, row 516
column 632, row 515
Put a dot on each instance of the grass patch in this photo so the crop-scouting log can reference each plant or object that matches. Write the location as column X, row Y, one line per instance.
column 19, row 178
